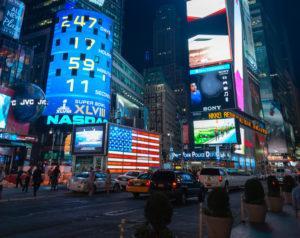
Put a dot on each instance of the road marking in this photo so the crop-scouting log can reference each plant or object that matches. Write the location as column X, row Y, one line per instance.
column 121, row 212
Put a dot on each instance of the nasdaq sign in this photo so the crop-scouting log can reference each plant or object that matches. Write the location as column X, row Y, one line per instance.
column 81, row 62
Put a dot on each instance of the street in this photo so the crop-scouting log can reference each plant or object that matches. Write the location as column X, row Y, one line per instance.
column 66, row 214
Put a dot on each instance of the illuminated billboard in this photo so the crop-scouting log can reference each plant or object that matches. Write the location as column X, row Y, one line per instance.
column 81, row 62
column 4, row 109
column 199, row 9
column 89, row 139
column 277, row 137
column 249, row 48
column 11, row 18
column 209, row 49
column 211, row 88
column 213, row 132
column 131, row 149
column 238, row 56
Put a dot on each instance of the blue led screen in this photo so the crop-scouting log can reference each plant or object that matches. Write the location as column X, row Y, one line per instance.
column 81, row 62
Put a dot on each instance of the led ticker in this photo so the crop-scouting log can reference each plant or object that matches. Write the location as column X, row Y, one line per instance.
column 80, row 69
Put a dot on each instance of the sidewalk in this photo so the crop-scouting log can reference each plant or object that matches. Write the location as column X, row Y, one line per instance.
column 281, row 225
column 16, row 194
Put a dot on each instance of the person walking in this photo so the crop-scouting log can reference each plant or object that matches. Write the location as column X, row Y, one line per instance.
column 91, row 180
column 27, row 180
column 19, row 178
column 49, row 175
column 108, row 181
column 36, row 180
column 2, row 177
column 54, row 178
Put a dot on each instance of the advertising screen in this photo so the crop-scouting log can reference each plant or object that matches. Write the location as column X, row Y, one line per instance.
column 277, row 137
column 248, row 35
column 4, row 109
column 81, row 62
column 211, row 88
column 199, row 9
column 240, row 149
column 125, row 108
column 238, row 56
column 208, row 49
column 131, row 149
column 11, row 21
column 89, row 139
column 212, row 132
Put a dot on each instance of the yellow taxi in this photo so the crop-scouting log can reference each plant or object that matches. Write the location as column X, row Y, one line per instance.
column 139, row 185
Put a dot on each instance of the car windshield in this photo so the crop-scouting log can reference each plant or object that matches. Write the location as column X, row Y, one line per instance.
column 133, row 174
column 210, row 171
column 167, row 176
column 82, row 175
column 144, row 176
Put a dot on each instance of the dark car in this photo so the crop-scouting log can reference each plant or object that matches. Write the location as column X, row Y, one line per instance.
column 177, row 185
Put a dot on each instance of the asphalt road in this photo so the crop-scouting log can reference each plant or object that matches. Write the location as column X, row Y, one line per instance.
column 65, row 214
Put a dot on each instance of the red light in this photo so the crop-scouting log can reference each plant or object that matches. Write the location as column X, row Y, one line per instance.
column 130, row 183
column 174, row 185
column 148, row 183
column 220, row 179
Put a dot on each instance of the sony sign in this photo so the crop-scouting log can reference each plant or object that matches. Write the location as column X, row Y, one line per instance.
column 73, row 120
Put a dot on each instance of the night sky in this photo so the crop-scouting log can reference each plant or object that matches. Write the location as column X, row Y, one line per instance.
column 139, row 16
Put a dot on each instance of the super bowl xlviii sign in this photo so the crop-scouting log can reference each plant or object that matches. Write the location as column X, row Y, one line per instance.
column 78, row 85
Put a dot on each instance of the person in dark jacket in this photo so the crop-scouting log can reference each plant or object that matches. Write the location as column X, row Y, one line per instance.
column 54, row 178
column 27, row 180
column 19, row 178
column 36, row 180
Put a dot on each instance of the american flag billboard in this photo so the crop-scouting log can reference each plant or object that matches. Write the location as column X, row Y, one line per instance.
column 132, row 149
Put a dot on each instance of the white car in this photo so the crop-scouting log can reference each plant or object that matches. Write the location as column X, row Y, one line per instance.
column 79, row 183
column 123, row 179
column 216, row 177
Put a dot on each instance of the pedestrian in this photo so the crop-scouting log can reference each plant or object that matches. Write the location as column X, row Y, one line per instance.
column 36, row 180
column 49, row 175
column 108, row 181
column 296, row 197
column 54, row 178
column 91, row 180
column 19, row 178
column 2, row 177
column 27, row 180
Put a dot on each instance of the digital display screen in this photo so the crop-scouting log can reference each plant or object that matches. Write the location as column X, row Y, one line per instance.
column 238, row 56
column 132, row 149
column 212, row 132
column 89, row 139
column 200, row 9
column 211, row 88
column 208, row 49
column 81, row 62
column 12, row 18
column 4, row 109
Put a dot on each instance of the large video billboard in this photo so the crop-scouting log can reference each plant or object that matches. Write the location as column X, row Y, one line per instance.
column 211, row 88
column 209, row 40
column 11, row 18
column 131, row 149
column 4, row 109
column 81, row 62
column 277, row 137
column 200, row 9
column 89, row 139
column 238, row 56
column 214, row 132
column 249, row 48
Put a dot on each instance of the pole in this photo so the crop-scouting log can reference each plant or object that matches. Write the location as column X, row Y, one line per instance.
column 242, row 210
column 200, row 220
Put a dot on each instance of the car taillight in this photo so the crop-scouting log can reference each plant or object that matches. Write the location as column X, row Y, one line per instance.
column 220, row 179
column 130, row 183
column 174, row 185
column 148, row 183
